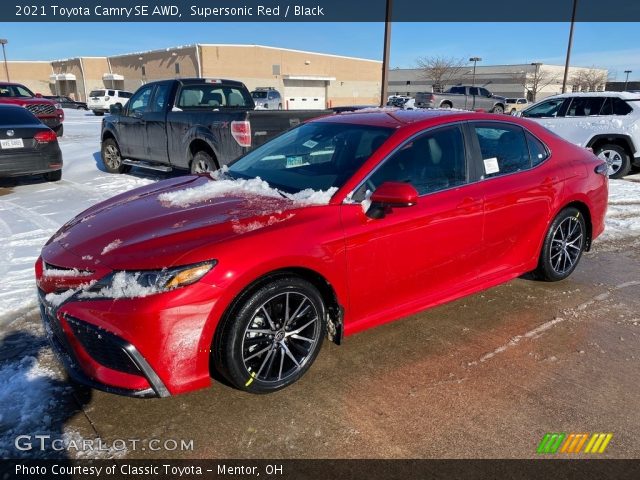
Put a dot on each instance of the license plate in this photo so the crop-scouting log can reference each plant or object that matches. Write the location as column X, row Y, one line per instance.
column 11, row 143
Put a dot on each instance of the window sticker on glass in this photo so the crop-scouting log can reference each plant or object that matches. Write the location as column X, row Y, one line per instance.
column 310, row 144
column 491, row 165
column 293, row 162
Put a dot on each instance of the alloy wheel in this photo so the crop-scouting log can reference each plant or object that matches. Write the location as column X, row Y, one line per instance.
column 613, row 159
column 281, row 337
column 566, row 245
column 112, row 156
column 202, row 166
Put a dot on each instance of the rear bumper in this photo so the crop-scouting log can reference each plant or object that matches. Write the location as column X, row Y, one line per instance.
column 32, row 162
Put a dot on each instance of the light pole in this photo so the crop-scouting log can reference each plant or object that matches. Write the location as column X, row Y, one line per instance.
column 474, row 60
column 386, row 53
column 566, row 63
column 626, row 80
column 4, row 41
column 142, row 70
column 534, row 89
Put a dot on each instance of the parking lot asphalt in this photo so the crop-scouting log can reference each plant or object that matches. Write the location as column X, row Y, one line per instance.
column 484, row 377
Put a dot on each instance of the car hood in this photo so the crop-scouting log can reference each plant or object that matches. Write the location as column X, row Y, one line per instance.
column 27, row 101
column 136, row 230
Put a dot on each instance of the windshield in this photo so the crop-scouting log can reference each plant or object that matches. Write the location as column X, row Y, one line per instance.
column 317, row 155
column 16, row 91
column 259, row 94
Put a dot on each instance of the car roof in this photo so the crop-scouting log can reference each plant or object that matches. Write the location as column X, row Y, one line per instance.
column 397, row 117
column 623, row 95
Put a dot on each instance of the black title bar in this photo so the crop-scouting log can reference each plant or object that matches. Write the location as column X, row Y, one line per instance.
column 319, row 11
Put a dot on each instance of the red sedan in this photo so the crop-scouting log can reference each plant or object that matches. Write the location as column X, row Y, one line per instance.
column 339, row 225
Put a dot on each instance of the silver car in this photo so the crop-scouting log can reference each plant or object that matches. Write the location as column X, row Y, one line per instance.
column 267, row 98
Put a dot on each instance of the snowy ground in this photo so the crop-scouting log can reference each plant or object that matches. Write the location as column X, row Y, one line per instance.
column 32, row 210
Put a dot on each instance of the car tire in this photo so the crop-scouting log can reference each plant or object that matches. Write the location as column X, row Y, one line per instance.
column 98, row 113
column 563, row 246
column 498, row 109
column 112, row 158
column 445, row 105
column 257, row 323
column 54, row 176
column 203, row 162
column 618, row 161
column 279, row 106
column 59, row 130
column 513, row 111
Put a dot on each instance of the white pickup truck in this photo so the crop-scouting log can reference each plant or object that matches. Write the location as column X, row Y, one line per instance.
column 607, row 122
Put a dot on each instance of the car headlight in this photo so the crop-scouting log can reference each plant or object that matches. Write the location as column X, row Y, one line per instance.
column 129, row 284
column 58, row 106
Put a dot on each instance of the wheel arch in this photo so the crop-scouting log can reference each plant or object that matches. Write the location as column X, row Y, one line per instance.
column 446, row 102
column 200, row 145
column 619, row 139
column 583, row 208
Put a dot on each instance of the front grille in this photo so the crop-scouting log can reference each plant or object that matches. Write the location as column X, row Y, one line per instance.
column 104, row 347
column 41, row 109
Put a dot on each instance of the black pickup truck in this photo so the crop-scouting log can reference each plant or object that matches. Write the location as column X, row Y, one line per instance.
column 192, row 124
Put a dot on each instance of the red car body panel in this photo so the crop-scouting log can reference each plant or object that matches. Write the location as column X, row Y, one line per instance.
column 52, row 119
column 450, row 244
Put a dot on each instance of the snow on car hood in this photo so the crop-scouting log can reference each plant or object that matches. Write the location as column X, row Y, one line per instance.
column 173, row 222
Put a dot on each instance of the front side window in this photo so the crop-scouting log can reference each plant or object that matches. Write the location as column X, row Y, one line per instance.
column 160, row 98
column 504, row 149
column 546, row 109
column 484, row 92
column 522, row 101
column 140, row 101
column 431, row 162
column 473, row 91
column 317, row 155
column 16, row 91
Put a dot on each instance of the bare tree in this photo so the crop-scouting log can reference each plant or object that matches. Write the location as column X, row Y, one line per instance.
column 440, row 70
column 589, row 80
column 534, row 82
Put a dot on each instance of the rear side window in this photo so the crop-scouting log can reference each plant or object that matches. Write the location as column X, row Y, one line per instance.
column 111, row 93
column 504, row 149
column 213, row 96
column 125, row 94
column 585, row 106
column 620, row 107
column 17, row 116
column 537, row 151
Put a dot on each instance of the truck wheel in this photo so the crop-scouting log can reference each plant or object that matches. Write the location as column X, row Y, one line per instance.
column 98, row 113
column 445, row 105
column 203, row 162
column 111, row 157
column 53, row 176
column 59, row 130
column 279, row 106
column 618, row 161
column 499, row 109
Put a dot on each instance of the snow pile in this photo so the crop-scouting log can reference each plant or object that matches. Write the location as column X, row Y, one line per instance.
column 254, row 186
column 113, row 245
column 123, row 285
column 623, row 214
column 54, row 272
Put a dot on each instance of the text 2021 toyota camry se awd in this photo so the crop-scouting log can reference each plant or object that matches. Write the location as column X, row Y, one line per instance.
column 338, row 225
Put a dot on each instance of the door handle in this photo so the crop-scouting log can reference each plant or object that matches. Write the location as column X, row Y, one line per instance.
column 468, row 204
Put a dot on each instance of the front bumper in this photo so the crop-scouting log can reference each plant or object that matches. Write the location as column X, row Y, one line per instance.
column 110, row 349
column 52, row 122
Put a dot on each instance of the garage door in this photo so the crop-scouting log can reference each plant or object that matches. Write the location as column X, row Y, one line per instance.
column 305, row 94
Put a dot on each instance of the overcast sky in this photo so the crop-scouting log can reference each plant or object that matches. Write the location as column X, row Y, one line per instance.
column 608, row 45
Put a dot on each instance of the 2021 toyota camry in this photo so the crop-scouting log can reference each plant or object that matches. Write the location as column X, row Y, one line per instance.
column 336, row 226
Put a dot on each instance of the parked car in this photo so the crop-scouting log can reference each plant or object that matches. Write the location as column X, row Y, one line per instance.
column 341, row 224
column 515, row 105
column 27, row 147
column 351, row 108
column 267, row 98
column 100, row 101
column 67, row 102
column 191, row 124
column 48, row 112
column 463, row 97
column 406, row 103
column 607, row 122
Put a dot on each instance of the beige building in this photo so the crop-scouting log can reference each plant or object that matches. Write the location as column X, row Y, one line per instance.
column 304, row 79
column 507, row 80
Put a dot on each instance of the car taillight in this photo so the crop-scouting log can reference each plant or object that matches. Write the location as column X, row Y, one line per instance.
column 241, row 132
column 107, row 98
column 47, row 136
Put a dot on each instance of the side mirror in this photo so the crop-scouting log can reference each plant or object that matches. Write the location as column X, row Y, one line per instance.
column 116, row 109
column 390, row 195
column 38, row 95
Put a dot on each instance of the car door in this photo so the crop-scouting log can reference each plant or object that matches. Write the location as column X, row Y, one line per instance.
column 155, row 125
column 519, row 189
column 415, row 254
column 132, row 126
column 484, row 100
